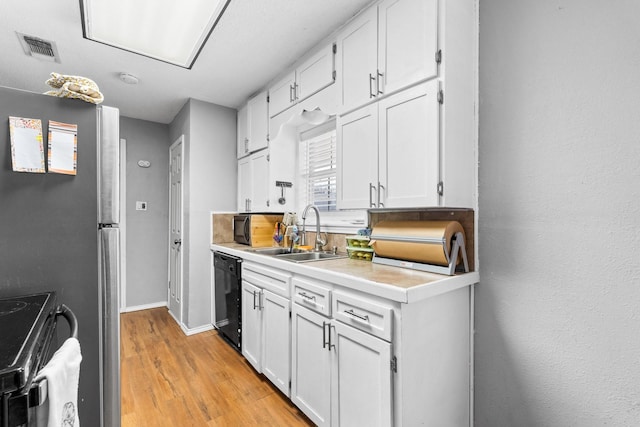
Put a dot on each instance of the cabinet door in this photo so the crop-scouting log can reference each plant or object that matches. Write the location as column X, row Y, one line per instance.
column 409, row 147
column 407, row 42
column 315, row 73
column 244, row 184
column 251, row 324
column 310, row 365
column 258, row 116
column 356, row 61
column 361, row 378
column 281, row 94
column 260, row 181
column 243, row 141
column 276, row 335
column 358, row 158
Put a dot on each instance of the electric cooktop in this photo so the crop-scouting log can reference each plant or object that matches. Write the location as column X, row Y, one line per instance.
column 25, row 322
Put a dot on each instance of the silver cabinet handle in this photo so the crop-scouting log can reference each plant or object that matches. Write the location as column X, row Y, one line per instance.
column 372, row 204
column 295, row 91
column 291, row 95
column 254, row 300
column 307, row 298
column 380, row 198
column 378, row 81
column 324, row 334
column 371, row 80
column 350, row 312
column 331, row 345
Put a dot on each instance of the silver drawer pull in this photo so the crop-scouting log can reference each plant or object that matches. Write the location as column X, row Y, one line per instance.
column 364, row 318
column 307, row 297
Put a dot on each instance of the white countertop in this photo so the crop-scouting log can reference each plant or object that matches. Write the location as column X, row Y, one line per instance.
column 394, row 283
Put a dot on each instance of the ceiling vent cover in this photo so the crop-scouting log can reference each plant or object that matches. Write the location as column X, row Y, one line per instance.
column 39, row 48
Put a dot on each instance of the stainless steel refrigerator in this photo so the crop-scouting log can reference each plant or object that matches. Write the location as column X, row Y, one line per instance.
column 60, row 233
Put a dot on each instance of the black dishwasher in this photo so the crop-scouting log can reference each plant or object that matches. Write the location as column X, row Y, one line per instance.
column 228, row 322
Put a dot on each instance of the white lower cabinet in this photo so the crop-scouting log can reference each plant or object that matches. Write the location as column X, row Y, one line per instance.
column 340, row 375
column 266, row 326
column 361, row 378
column 310, row 365
column 349, row 358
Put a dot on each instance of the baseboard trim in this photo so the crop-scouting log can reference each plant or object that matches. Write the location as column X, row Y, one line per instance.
column 191, row 331
column 144, row 307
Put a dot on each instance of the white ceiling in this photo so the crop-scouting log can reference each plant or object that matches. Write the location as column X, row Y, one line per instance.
column 255, row 40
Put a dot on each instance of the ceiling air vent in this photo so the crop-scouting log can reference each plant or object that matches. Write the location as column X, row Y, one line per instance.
column 39, row 48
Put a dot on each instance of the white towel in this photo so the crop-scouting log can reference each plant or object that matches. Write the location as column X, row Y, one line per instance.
column 62, row 374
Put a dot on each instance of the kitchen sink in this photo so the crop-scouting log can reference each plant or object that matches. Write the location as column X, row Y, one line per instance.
column 310, row 256
column 275, row 251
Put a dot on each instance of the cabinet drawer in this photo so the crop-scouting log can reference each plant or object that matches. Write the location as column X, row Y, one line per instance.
column 276, row 281
column 312, row 295
column 363, row 314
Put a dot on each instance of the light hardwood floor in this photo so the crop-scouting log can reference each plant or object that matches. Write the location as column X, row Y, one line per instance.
column 169, row 379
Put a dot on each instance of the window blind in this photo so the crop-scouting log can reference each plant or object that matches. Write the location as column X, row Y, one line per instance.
column 318, row 171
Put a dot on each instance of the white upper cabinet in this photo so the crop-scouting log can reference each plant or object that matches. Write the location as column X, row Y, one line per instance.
column 388, row 152
column 386, row 49
column 253, row 182
column 311, row 76
column 357, row 146
column 258, row 122
column 253, row 125
column 408, row 150
column 243, row 131
column 407, row 43
column 281, row 94
column 315, row 73
column 356, row 61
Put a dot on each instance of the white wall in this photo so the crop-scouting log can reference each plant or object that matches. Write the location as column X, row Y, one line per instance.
column 147, row 231
column 558, row 304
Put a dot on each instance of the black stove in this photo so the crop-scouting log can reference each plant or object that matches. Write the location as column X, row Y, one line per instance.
column 27, row 325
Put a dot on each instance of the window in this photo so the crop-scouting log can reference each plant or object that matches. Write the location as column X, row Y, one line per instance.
column 318, row 167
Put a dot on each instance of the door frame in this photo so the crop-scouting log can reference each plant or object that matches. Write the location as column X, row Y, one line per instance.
column 179, row 140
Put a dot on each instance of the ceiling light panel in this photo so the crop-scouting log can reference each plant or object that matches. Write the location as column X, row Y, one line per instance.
column 173, row 31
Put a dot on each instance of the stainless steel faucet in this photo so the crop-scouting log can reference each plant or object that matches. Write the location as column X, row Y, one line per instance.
column 319, row 242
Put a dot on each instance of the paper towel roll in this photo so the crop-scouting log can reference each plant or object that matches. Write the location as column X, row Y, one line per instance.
column 429, row 253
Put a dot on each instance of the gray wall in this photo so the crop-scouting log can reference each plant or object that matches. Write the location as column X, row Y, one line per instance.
column 209, row 184
column 147, row 231
column 558, row 304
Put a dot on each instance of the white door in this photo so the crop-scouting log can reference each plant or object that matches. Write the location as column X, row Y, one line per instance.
column 175, row 229
column 408, row 41
column 276, row 331
column 310, row 365
column 361, row 378
column 356, row 61
column 252, row 324
column 409, row 147
column 358, row 158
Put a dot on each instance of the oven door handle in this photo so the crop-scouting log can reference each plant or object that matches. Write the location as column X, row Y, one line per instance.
column 66, row 312
column 40, row 389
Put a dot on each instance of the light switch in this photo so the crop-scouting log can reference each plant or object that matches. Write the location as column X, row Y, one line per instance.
column 141, row 206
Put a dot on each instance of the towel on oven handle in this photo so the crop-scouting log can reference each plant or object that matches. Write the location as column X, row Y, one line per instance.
column 62, row 373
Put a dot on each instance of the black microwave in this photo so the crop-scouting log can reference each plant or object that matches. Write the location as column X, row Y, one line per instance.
column 255, row 229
